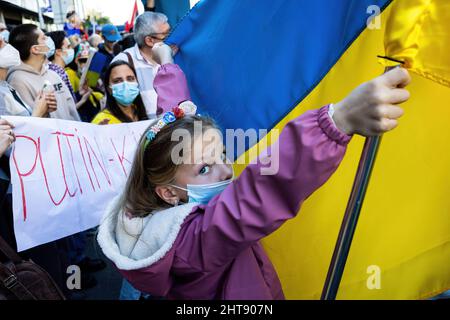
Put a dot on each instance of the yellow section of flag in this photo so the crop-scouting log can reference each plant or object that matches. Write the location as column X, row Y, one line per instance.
column 402, row 241
column 417, row 32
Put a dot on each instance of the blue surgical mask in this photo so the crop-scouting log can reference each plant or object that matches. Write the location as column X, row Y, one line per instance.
column 51, row 47
column 125, row 92
column 203, row 193
column 68, row 58
column 5, row 35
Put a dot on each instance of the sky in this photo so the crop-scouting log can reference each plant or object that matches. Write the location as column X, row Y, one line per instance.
column 118, row 11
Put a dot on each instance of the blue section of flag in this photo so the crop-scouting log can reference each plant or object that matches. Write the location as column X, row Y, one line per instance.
column 249, row 63
column 98, row 62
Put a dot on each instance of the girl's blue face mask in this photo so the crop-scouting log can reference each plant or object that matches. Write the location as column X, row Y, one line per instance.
column 125, row 92
column 203, row 193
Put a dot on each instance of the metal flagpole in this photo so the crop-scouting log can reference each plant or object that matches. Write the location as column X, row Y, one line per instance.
column 352, row 212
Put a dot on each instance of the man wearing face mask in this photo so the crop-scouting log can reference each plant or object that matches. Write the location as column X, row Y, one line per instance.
column 150, row 29
column 30, row 76
column 10, row 101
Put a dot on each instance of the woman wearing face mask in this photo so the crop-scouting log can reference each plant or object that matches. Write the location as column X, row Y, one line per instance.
column 10, row 101
column 124, row 103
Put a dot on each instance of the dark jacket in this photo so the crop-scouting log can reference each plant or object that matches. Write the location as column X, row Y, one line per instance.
column 109, row 58
column 6, row 216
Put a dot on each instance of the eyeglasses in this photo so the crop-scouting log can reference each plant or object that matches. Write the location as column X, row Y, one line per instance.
column 164, row 34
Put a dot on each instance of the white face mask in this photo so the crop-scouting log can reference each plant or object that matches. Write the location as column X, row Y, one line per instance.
column 9, row 57
column 50, row 47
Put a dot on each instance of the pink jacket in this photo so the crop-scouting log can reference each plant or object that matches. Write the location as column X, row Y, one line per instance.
column 212, row 251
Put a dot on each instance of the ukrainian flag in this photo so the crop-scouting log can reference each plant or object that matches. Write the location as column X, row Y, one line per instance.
column 258, row 64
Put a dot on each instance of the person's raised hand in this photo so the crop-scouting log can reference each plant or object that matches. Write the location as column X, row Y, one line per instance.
column 175, row 49
column 41, row 107
column 372, row 108
column 162, row 53
column 7, row 136
column 52, row 104
column 85, row 94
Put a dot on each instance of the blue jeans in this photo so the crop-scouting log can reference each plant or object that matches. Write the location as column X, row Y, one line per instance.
column 128, row 292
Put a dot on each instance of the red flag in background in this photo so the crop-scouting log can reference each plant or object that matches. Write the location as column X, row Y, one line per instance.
column 130, row 24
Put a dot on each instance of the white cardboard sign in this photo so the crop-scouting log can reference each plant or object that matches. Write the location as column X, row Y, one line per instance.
column 64, row 173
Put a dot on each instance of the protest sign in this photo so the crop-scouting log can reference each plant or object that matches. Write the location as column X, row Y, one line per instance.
column 64, row 173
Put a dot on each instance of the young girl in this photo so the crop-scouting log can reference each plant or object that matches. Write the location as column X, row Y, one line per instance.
column 183, row 229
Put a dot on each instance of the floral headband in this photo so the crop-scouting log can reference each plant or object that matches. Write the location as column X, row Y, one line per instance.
column 185, row 108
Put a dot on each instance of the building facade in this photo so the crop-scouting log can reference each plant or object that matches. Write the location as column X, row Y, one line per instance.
column 16, row 12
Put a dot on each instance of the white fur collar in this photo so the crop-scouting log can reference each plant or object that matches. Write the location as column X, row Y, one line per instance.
column 140, row 242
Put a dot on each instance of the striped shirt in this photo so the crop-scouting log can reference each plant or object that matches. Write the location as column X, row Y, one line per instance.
column 62, row 73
